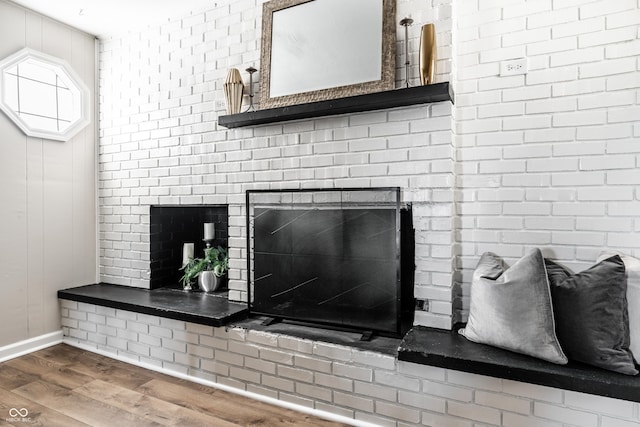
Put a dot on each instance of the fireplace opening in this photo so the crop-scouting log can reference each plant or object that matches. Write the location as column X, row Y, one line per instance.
column 172, row 227
column 341, row 258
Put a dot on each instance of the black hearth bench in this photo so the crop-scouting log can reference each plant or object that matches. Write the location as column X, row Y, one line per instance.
column 420, row 345
column 213, row 309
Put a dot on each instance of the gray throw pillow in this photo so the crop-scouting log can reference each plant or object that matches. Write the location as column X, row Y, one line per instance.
column 511, row 308
column 632, row 269
column 591, row 314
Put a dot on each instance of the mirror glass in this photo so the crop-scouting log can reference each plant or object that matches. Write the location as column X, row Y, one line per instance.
column 42, row 95
column 324, row 49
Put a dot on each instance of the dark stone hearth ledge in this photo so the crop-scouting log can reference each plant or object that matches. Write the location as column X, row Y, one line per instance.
column 212, row 309
column 420, row 345
column 449, row 350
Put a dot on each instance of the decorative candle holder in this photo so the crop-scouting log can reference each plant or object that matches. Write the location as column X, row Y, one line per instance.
column 251, row 70
column 406, row 22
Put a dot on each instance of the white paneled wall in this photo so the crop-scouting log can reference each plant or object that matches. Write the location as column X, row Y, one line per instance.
column 48, row 214
column 160, row 144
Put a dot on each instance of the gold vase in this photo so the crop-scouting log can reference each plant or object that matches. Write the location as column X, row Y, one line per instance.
column 428, row 54
column 233, row 89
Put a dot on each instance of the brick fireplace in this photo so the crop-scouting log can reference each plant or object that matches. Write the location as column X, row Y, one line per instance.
column 170, row 151
column 543, row 159
column 548, row 158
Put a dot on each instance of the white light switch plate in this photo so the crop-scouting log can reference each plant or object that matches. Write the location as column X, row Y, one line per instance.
column 513, row 67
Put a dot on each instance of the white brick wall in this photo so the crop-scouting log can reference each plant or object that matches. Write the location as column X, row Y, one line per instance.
column 550, row 158
column 160, row 142
column 361, row 385
column 546, row 159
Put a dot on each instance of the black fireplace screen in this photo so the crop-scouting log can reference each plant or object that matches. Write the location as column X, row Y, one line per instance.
column 326, row 256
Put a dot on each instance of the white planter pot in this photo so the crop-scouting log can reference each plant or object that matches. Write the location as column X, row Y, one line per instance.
column 209, row 282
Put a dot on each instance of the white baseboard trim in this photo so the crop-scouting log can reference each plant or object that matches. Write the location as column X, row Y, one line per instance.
column 266, row 399
column 30, row 345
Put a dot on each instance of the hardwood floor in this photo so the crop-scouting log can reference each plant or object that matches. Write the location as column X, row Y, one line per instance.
column 67, row 386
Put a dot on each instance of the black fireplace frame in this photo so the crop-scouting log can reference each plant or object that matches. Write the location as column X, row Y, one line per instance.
column 405, row 250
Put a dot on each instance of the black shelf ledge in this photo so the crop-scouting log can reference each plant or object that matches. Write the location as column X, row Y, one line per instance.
column 212, row 309
column 450, row 350
column 353, row 104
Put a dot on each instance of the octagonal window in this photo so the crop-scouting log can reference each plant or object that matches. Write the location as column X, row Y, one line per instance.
column 43, row 95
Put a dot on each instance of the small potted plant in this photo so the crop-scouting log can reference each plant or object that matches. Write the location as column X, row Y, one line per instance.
column 210, row 270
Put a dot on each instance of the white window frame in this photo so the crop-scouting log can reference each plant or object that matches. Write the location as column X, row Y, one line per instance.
column 59, row 66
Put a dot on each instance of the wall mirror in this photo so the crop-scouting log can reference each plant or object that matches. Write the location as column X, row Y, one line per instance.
column 43, row 95
column 314, row 50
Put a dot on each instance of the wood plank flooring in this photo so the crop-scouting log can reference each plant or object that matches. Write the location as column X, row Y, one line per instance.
column 66, row 386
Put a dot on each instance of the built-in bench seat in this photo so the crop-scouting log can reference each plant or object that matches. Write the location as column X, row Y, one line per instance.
column 420, row 345
column 212, row 309
column 452, row 351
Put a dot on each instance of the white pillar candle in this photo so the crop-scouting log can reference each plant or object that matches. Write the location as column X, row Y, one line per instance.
column 187, row 253
column 209, row 231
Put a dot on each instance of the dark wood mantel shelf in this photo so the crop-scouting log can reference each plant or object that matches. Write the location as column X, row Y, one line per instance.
column 353, row 104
